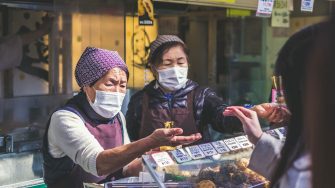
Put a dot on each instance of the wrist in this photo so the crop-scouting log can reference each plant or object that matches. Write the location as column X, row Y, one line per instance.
column 256, row 138
column 151, row 142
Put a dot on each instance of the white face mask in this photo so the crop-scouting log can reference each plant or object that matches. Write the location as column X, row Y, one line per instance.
column 107, row 104
column 173, row 78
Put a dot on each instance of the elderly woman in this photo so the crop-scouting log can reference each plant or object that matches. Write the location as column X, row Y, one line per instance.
column 173, row 100
column 86, row 140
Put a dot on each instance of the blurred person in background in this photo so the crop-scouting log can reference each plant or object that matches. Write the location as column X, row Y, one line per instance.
column 287, row 165
column 320, row 108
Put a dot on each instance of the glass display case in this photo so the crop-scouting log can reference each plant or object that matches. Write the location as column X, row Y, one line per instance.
column 207, row 165
column 221, row 163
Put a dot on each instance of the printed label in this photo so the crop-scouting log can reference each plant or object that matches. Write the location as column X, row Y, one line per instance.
column 272, row 133
column 232, row 144
column 208, row 149
column 162, row 159
column 280, row 134
column 181, row 155
column 282, row 130
column 220, row 146
column 195, row 152
column 243, row 141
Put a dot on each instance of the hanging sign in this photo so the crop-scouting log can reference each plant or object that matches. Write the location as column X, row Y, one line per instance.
column 307, row 5
column 145, row 12
column 280, row 14
column 264, row 8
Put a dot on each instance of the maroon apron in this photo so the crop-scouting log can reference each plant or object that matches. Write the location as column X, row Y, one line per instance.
column 109, row 136
column 153, row 118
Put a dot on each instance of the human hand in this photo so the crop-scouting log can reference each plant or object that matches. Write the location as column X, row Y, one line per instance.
column 133, row 168
column 272, row 112
column 249, row 120
column 169, row 137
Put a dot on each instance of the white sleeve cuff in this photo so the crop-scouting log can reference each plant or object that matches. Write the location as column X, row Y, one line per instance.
column 93, row 163
column 68, row 136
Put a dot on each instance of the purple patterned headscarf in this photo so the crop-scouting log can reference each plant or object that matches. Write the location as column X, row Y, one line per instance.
column 94, row 63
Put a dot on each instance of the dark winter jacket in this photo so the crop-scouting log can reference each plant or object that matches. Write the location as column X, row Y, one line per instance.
column 208, row 108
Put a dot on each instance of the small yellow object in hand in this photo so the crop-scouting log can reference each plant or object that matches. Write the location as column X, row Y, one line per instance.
column 167, row 125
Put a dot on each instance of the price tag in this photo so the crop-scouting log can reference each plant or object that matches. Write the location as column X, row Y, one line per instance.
column 162, row 159
column 180, row 155
column 232, row 144
column 195, row 152
column 273, row 133
column 208, row 149
column 220, row 146
column 280, row 134
column 282, row 130
column 243, row 141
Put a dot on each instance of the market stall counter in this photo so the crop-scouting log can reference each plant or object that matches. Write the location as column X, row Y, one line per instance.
column 221, row 163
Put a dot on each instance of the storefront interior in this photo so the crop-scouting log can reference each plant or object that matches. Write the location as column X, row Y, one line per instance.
column 230, row 49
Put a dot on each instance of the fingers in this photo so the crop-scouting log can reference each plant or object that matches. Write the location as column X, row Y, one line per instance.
column 285, row 110
column 279, row 115
column 177, row 140
column 236, row 112
column 173, row 131
column 242, row 112
column 247, row 112
column 264, row 110
column 273, row 116
column 228, row 112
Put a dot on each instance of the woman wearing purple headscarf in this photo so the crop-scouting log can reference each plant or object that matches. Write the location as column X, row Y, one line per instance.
column 86, row 140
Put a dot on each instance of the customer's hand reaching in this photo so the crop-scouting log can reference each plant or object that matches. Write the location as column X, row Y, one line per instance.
column 249, row 120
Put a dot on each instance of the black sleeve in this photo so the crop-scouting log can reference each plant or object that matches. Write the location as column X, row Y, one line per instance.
column 133, row 115
column 213, row 113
